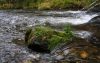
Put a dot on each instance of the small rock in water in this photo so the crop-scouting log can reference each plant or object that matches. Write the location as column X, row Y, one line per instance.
column 83, row 34
column 59, row 57
column 84, row 54
column 46, row 57
column 66, row 52
column 34, row 56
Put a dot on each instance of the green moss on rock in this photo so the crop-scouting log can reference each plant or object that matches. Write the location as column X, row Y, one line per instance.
column 47, row 36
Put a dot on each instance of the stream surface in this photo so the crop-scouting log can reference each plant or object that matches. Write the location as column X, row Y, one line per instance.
column 13, row 24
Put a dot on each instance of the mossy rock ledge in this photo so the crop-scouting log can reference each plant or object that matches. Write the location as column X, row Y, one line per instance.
column 45, row 39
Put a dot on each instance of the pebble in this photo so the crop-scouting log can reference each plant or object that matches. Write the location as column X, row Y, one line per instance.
column 66, row 52
column 59, row 57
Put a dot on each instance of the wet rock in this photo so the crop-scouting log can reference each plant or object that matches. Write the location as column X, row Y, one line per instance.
column 93, row 27
column 82, row 34
column 45, row 39
column 66, row 52
column 47, row 57
column 84, row 54
column 95, row 8
column 79, row 51
column 95, row 20
column 59, row 57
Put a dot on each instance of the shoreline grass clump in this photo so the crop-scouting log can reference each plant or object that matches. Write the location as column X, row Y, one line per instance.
column 46, row 37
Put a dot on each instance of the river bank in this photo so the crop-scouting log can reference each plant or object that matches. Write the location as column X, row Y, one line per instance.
column 45, row 4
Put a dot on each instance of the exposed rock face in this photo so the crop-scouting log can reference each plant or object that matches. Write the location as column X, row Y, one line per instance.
column 92, row 26
column 95, row 20
column 95, row 23
column 95, row 9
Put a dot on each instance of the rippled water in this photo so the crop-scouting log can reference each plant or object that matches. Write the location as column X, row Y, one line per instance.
column 13, row 25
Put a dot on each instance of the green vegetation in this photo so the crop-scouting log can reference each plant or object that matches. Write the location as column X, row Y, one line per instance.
column 44, row 4
column 45, row 35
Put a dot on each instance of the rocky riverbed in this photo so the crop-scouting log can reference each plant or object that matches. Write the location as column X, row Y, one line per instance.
column 84, row 48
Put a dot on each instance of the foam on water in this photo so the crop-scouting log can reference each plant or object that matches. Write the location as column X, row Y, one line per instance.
column 77, row 18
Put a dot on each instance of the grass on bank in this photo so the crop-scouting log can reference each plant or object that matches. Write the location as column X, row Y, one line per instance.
column 44, row 4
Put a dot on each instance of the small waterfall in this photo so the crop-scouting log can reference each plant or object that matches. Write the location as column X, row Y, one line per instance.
column 73, row 17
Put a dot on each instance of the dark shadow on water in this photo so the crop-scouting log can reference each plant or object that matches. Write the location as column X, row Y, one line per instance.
column 39, row 48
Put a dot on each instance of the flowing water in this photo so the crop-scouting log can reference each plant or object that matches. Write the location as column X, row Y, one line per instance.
column 13, row 24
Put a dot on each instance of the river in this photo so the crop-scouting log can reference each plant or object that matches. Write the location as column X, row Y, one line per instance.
column 13, row 24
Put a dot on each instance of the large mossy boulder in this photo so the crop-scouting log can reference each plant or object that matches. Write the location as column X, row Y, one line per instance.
column 45, row 39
